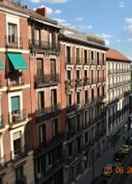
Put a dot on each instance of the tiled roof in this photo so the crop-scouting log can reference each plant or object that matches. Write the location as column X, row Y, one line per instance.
column 26, row 11
column 113, row 54
column 73, row 35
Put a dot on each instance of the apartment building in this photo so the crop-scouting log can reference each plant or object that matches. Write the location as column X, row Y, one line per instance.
column 16, row 159
column 59, row 96
column 83, row 68
column 118, row 86
column 48, row 122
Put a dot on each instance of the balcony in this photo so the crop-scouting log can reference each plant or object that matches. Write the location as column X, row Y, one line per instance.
column 19, row 153
column 13, row 42
column 92, row 62
column 51, row 48
column 71, row 108
column 69, row 60
column 79, row 61
column 44, row 113
column 69, row 84
column 16, row 84
column 22, row 180
column 79, row 83
column 43, row 80
column 86, row 81
column 17, row 117
column 93, row 81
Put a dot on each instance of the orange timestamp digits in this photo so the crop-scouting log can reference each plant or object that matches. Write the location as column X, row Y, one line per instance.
column 120, row 170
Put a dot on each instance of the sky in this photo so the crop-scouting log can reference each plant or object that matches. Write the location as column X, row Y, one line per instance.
column 110, row 19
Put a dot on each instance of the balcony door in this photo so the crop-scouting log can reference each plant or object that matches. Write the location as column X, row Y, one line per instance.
column 15, row 104
column 68, row 50
column 53, row 68
column 40, row 67
column 41, row 103
column 53, row 98
column 12, row 33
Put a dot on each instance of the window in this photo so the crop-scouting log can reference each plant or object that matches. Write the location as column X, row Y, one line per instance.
column 98, row 58
column 12, row 33
column 86, row 97
column 69, row 100
column 53, row 97
column 17, row 143
column 37, row 35
column 55, row 127
column 49, row 160
column 41, row 102
column 86, row 137
column 1, row 123
column 85, row 74
column 103, row 91
column 78, row 97
column 68, row 49
column 98, row 77
column 15, row 104
column 92, row 94
column 1, row 181
column 54, row 39
column 40, row 67
column 70, row 149
column 85, row 57
column 103, row 58
column 78, row 122
column 42, row 134
column 77, row 55
column 92, row 55
column 53, row 68
column 92, row 76
column 98, row 92
column 78, row 74
column 19, row 173
column 71, row 124
column 69, row 75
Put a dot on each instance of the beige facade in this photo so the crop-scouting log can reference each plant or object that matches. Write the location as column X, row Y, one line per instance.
column 118, row 78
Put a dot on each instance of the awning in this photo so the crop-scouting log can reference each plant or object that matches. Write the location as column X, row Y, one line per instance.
column 1, row 66
column 17, row 61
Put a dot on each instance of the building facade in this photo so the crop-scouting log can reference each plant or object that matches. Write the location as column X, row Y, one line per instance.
column 118, row 86
column 16, row 158
column 61, row 93
column 83, row 68
column 48, row 119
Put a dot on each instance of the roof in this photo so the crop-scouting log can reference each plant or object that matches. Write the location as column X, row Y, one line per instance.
column 116, row 55
column 81, row 38
column 26, row 11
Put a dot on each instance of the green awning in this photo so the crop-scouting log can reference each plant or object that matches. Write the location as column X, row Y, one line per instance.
column 1, row 66
column 17, row 61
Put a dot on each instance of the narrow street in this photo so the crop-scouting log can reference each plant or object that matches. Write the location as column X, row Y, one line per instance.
column 106, row 158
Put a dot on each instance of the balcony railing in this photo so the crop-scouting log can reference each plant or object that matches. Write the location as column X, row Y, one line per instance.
column 86, row 81
column 79, row 83
column 13, row 42
column 42, row 80
column 69, row 60
column 44, row 45
column 22, row 180
column 15, row 83
column 17, row 117
column 20, row 152
column 69, row 84
column 48, row 110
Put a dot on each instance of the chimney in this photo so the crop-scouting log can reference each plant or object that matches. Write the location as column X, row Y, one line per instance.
column 42, row 11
